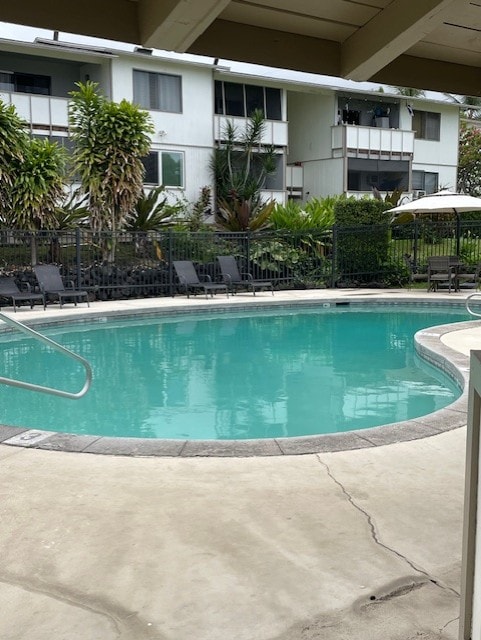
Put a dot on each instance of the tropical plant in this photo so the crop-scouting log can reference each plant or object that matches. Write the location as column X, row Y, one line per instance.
column 151, row 212
column 110, row 141
column 272, row 255
column 195, row 219
column 13, row 144
column 469, row 161
column 392, row 198
column 71, row 213
column 240, row 165
column 316, row 213
column 242, row 215
column 38, row 186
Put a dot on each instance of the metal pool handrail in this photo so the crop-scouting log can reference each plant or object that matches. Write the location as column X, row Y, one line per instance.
column 467, row 301
column 58, row 347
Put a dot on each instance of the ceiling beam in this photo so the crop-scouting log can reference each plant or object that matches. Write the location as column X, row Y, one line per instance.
column 389, row 34
column 110, row 19
column 435, row 75
column 173, row 25
column 246, row 43
column 227, row 40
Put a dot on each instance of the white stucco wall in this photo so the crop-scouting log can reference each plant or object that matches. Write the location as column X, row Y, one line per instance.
column 189, row 132
column 310, row 120
column 445, row 151
column 194, row 126
column 323, row 178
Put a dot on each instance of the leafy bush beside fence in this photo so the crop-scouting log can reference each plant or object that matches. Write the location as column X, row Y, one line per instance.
column 362, row 240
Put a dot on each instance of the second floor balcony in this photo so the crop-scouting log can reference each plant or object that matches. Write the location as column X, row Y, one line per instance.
column 275, row 131
column 44, row 114
column 355, row 141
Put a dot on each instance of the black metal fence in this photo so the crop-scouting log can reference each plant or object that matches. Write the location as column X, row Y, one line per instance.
column 140, row 264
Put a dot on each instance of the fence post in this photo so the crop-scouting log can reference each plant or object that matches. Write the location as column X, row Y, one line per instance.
column 248, row 249
column 415, row 243
column 334, row 257
column 170, row 254
column 78, row 256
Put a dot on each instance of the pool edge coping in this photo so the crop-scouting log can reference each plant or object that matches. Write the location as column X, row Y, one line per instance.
column 428, row 344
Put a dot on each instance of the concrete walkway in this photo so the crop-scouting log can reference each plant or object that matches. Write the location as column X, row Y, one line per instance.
column 356, row 545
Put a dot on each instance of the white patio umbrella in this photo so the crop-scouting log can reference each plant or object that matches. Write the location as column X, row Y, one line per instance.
column 442, row 202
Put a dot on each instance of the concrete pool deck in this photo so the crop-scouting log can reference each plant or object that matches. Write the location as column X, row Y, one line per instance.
column 352, row 544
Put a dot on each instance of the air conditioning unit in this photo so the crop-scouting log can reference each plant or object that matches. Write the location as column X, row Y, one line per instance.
column 418, row 193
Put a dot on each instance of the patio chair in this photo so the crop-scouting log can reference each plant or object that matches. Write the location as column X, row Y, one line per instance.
column 53, row 286
column 233, row 278
column 9, row 290
column 413, row 272
column 468, row 279
column 189, row 279
column 441, row 271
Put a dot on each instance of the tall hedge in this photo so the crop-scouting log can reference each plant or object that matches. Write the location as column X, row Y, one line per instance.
column 360, row 251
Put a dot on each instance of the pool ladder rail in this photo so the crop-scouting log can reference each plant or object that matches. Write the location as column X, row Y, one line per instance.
column 468, row 300
column 57, row 347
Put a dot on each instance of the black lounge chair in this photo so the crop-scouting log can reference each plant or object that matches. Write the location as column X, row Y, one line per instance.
column 190, row 281
column 52, row 285
column 233, row 278
column 9, row 290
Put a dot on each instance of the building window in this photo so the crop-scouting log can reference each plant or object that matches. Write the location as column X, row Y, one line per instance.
column 384, row 175
column 158, row 91
column 275, row 181
column 25, row 83
column 425, row 181
column 232, row 99
column 426, row 125
column 151, row 166
column 172, row 169
column 164, row 167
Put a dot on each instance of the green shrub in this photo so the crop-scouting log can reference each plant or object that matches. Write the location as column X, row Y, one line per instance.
column 317, row 213
column 361, row 252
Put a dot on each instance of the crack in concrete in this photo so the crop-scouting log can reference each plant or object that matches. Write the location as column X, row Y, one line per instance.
column 456, row 619
column 122, row 620
column 375, row 536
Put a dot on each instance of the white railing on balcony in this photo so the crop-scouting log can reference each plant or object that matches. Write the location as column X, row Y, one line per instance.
column 356, row 141
column 41, row 112
column 275, row 131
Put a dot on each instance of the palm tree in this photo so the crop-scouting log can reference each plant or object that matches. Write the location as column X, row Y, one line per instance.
column 470, row 105
column 110, row 141
column 409, row 92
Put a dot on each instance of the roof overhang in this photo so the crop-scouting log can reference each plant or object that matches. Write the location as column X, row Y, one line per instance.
column 433, row 44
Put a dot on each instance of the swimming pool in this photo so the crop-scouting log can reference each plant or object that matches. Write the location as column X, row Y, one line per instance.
column 241, row 375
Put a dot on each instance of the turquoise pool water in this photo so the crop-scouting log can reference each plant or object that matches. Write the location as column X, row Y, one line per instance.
column 232, row 376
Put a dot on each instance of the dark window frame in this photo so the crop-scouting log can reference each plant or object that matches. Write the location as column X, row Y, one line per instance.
column 272, row 100
column 154, row 174
column 428, row 120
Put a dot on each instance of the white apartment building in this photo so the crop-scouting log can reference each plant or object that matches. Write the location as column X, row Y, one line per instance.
column 349, row 142
column 328, row 140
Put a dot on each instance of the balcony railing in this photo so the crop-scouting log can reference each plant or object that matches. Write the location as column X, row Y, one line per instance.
column 355, row 141
column 275, row 131
column 43, row 113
